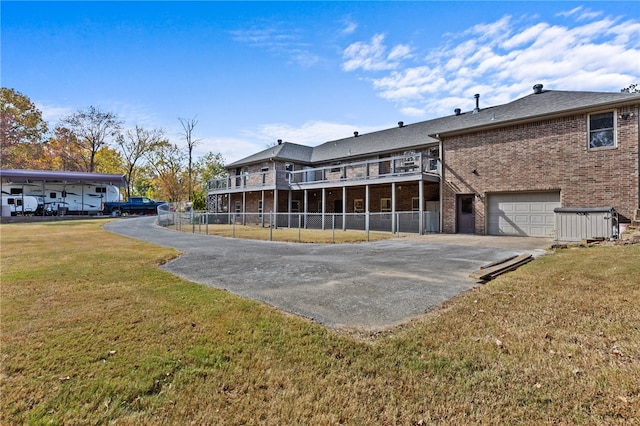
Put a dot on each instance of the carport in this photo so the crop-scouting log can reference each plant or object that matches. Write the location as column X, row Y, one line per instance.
column 42, row 178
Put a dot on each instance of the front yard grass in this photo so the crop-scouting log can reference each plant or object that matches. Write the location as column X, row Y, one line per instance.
column 93, row 332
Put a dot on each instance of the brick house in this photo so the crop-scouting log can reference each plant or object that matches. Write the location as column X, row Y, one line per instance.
column 499, row 170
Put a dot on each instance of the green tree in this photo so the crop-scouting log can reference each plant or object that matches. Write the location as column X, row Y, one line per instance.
column 93, row 129
column 206, row 168
column 22, row 130
column 166, row 162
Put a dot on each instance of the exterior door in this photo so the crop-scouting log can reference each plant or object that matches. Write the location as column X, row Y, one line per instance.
column 465, row 214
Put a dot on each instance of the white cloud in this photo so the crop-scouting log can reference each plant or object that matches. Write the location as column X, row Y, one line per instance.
column 52, row 114
column 502, row 60
column 373, row 56
column 310, row 133
column 349, row 27
column 280, row 40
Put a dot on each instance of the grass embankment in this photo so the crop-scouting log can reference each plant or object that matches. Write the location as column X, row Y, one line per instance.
column 93, row 333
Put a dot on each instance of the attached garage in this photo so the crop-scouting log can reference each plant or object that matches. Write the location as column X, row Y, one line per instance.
column 522, row 213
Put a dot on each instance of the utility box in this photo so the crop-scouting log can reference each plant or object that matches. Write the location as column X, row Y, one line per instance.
column 577, row 224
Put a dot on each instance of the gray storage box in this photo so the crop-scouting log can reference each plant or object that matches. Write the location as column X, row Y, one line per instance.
column 577, row 224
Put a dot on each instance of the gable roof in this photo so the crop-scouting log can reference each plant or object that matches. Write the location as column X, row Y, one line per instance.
column 409, row 136
column 533, row 107
column 285, row 151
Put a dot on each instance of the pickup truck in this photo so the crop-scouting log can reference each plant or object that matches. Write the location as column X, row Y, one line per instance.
column 134, row 205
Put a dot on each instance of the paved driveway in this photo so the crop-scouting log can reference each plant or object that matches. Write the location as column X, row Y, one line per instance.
column 369, row 286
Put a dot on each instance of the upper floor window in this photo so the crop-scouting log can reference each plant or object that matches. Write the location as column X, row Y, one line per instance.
column 264, row 167
column 602, row 130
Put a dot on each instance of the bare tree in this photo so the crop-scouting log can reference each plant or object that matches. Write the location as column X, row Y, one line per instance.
column 134, row 145
column 188, row 125
column 632, row 88
column 93, row 128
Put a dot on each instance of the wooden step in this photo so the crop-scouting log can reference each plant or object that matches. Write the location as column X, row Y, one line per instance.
column 492, row 270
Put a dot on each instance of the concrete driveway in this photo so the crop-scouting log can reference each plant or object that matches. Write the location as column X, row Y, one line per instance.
column 368, row 286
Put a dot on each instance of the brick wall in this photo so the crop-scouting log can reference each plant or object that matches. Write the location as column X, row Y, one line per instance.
column 541, row 156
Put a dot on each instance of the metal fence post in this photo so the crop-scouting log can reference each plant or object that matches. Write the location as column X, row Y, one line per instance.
column 299, row 226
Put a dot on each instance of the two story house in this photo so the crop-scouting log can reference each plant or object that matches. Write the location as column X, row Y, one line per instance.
column 500, row 170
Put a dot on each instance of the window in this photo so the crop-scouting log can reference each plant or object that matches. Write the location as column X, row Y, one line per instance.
column 385, row 205
column 358, row 205
column 295, row 206
column 101, row 190
column 15, row 191
column 466, row 205
column 602, row 130
column 433, row 155
column 264, row 167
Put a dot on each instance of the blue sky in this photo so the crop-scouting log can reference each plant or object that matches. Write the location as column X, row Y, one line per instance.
column 306, row 72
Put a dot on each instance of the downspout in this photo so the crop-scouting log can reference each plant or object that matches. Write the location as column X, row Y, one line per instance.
column 441, row 167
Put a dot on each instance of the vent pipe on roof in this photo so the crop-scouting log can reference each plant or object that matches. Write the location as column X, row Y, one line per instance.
column 279, row 141
column 537, row 89
column 457, row 111
column 477, row 108
column 400, row 123
column 355, row 134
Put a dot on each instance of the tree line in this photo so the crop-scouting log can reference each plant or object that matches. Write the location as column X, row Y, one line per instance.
column 93, row 140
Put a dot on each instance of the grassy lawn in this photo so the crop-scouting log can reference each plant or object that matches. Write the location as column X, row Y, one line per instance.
column 93, row 332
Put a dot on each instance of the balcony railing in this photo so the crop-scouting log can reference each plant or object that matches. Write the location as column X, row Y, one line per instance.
column 405, row 165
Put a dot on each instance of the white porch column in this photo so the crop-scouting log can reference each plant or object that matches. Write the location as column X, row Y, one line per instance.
column 324, row 204
column 366, row 208
column 244, row 208
column 344, row 208
column 421, row 229
column 306, row 206
column 393, row 208
column 275, row 208
column 262, row 212
column 289, row 200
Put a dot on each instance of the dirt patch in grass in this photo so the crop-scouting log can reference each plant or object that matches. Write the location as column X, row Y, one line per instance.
column 94, row 333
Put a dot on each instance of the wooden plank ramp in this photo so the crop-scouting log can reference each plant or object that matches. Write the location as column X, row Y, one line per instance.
column 494, row 269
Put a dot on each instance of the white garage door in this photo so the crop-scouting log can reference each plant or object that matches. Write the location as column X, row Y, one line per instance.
column 525, row 214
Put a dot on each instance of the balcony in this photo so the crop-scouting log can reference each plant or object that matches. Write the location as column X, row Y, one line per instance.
column 416, row 166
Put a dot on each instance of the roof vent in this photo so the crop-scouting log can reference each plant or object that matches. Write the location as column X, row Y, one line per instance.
column 457, row 111
column 537, row 89
column 477, row 108
column 400, row 123
column 279, row 141
column 355, row 134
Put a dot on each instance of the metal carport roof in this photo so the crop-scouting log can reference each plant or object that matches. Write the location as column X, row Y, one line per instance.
column 17, row 176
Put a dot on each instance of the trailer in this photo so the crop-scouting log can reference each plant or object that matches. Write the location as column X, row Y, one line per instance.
column 61, row 198
column 20, row 204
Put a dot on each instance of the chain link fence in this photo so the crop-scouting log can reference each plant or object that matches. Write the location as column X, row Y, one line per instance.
column 202, row 221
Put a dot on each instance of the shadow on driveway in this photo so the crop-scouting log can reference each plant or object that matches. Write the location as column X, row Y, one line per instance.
column 368, row 286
